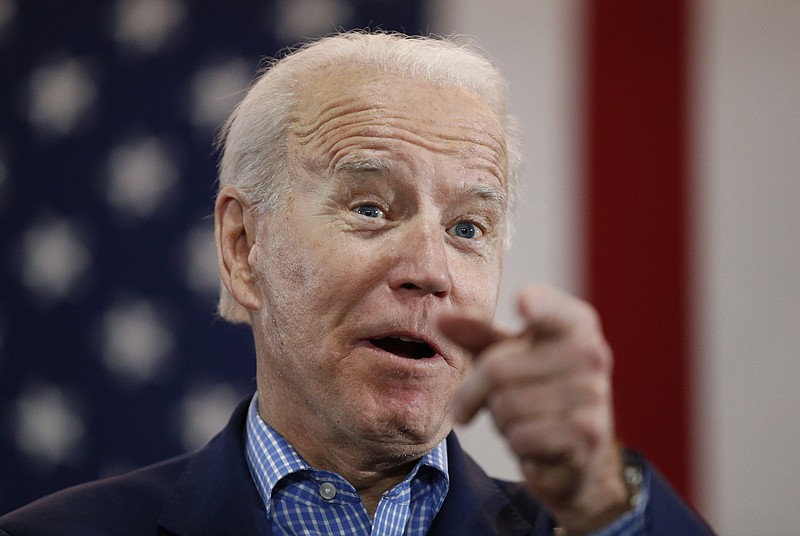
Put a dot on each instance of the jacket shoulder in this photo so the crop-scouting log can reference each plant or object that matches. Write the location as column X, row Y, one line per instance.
column 121, row 505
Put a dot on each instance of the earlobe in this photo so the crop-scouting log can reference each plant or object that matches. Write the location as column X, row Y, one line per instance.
column 234, row 230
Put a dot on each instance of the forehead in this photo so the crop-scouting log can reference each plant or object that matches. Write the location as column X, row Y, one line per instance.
column 349, row 113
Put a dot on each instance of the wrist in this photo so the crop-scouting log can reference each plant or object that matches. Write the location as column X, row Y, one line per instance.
column 620, row 497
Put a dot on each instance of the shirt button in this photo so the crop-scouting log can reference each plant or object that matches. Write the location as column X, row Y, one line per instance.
column 327, row 491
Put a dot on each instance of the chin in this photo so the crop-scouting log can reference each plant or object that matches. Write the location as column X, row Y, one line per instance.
column 403, row 417
column 414, row 430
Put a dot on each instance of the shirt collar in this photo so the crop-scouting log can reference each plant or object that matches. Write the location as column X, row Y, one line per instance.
column 271, row 458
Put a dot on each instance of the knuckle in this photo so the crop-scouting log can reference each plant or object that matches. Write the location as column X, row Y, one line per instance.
column 591, row 427
column 596, row 354
column 597, row 391
column 546, row 443
column 588, row 314
column 589, row 391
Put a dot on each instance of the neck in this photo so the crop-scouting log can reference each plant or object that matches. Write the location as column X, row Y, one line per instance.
column 371, row 468
column 372, row 484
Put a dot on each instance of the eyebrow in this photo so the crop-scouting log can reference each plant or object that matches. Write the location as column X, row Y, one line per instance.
column 362, row 165
column 370, row 164
column 487, row 193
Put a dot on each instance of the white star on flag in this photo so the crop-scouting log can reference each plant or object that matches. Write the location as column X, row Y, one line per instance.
column 203, row 412
column 136, row 340
column 54, row 257
column 49, row 425
column 301, row 18
column 61, row 93
column 216, row 89
column 142, row 172
column 145, row 25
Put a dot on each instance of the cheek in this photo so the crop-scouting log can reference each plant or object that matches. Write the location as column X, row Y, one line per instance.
column 308, row 274
column 283, row 275
column 476, row 285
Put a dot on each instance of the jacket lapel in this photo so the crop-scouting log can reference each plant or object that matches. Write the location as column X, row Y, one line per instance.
column 216, row 494
column 476, row 504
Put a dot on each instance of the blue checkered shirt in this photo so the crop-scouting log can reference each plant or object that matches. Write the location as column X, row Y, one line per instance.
column 302, row 500
column 298, row 497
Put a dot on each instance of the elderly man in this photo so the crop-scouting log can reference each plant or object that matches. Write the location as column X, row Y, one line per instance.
column 362, row 215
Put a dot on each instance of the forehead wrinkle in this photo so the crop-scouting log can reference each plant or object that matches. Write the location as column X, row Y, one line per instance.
column 334, row 109
column 486, row 158
column 372, row 125
column 485, row 152
column 356, row 112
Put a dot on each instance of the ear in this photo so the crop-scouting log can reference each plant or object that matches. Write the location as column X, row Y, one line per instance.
column 234, row 230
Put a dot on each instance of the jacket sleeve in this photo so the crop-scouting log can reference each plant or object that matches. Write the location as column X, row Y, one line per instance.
column 665, row 513
column 658, row 510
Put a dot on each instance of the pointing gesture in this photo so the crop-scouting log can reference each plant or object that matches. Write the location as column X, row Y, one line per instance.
column 548, row 390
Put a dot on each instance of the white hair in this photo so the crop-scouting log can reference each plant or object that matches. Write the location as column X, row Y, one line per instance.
column 254, row 139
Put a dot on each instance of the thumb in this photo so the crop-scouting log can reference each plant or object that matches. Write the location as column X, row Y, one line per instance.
column 476, row 335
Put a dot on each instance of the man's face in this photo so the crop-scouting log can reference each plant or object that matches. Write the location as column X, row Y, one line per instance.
column 396, row 214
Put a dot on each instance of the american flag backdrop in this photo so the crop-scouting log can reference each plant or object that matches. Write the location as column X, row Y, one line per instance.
column 110, row 354
column 662, row 183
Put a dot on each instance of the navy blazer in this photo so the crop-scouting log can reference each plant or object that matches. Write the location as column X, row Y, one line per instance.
column 211, row 492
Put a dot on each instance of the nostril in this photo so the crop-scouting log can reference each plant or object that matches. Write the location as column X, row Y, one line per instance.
column 421, row 290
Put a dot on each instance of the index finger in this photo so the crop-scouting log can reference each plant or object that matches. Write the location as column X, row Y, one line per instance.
column 469, row 331
column 550, row 312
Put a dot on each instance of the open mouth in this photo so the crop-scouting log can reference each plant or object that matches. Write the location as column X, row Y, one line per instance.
column 404, row 347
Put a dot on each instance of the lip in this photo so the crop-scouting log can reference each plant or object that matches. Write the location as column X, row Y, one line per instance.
column 412, row 335
column 404, row 334
column 394, row 364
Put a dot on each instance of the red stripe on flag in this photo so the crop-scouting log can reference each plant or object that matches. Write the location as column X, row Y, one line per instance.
column 637, row 215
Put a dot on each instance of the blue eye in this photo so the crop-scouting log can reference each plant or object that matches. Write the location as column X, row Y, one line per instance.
column 465, row 229
column 370, row 211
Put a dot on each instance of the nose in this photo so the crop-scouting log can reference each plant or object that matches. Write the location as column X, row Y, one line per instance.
column 420, row 262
